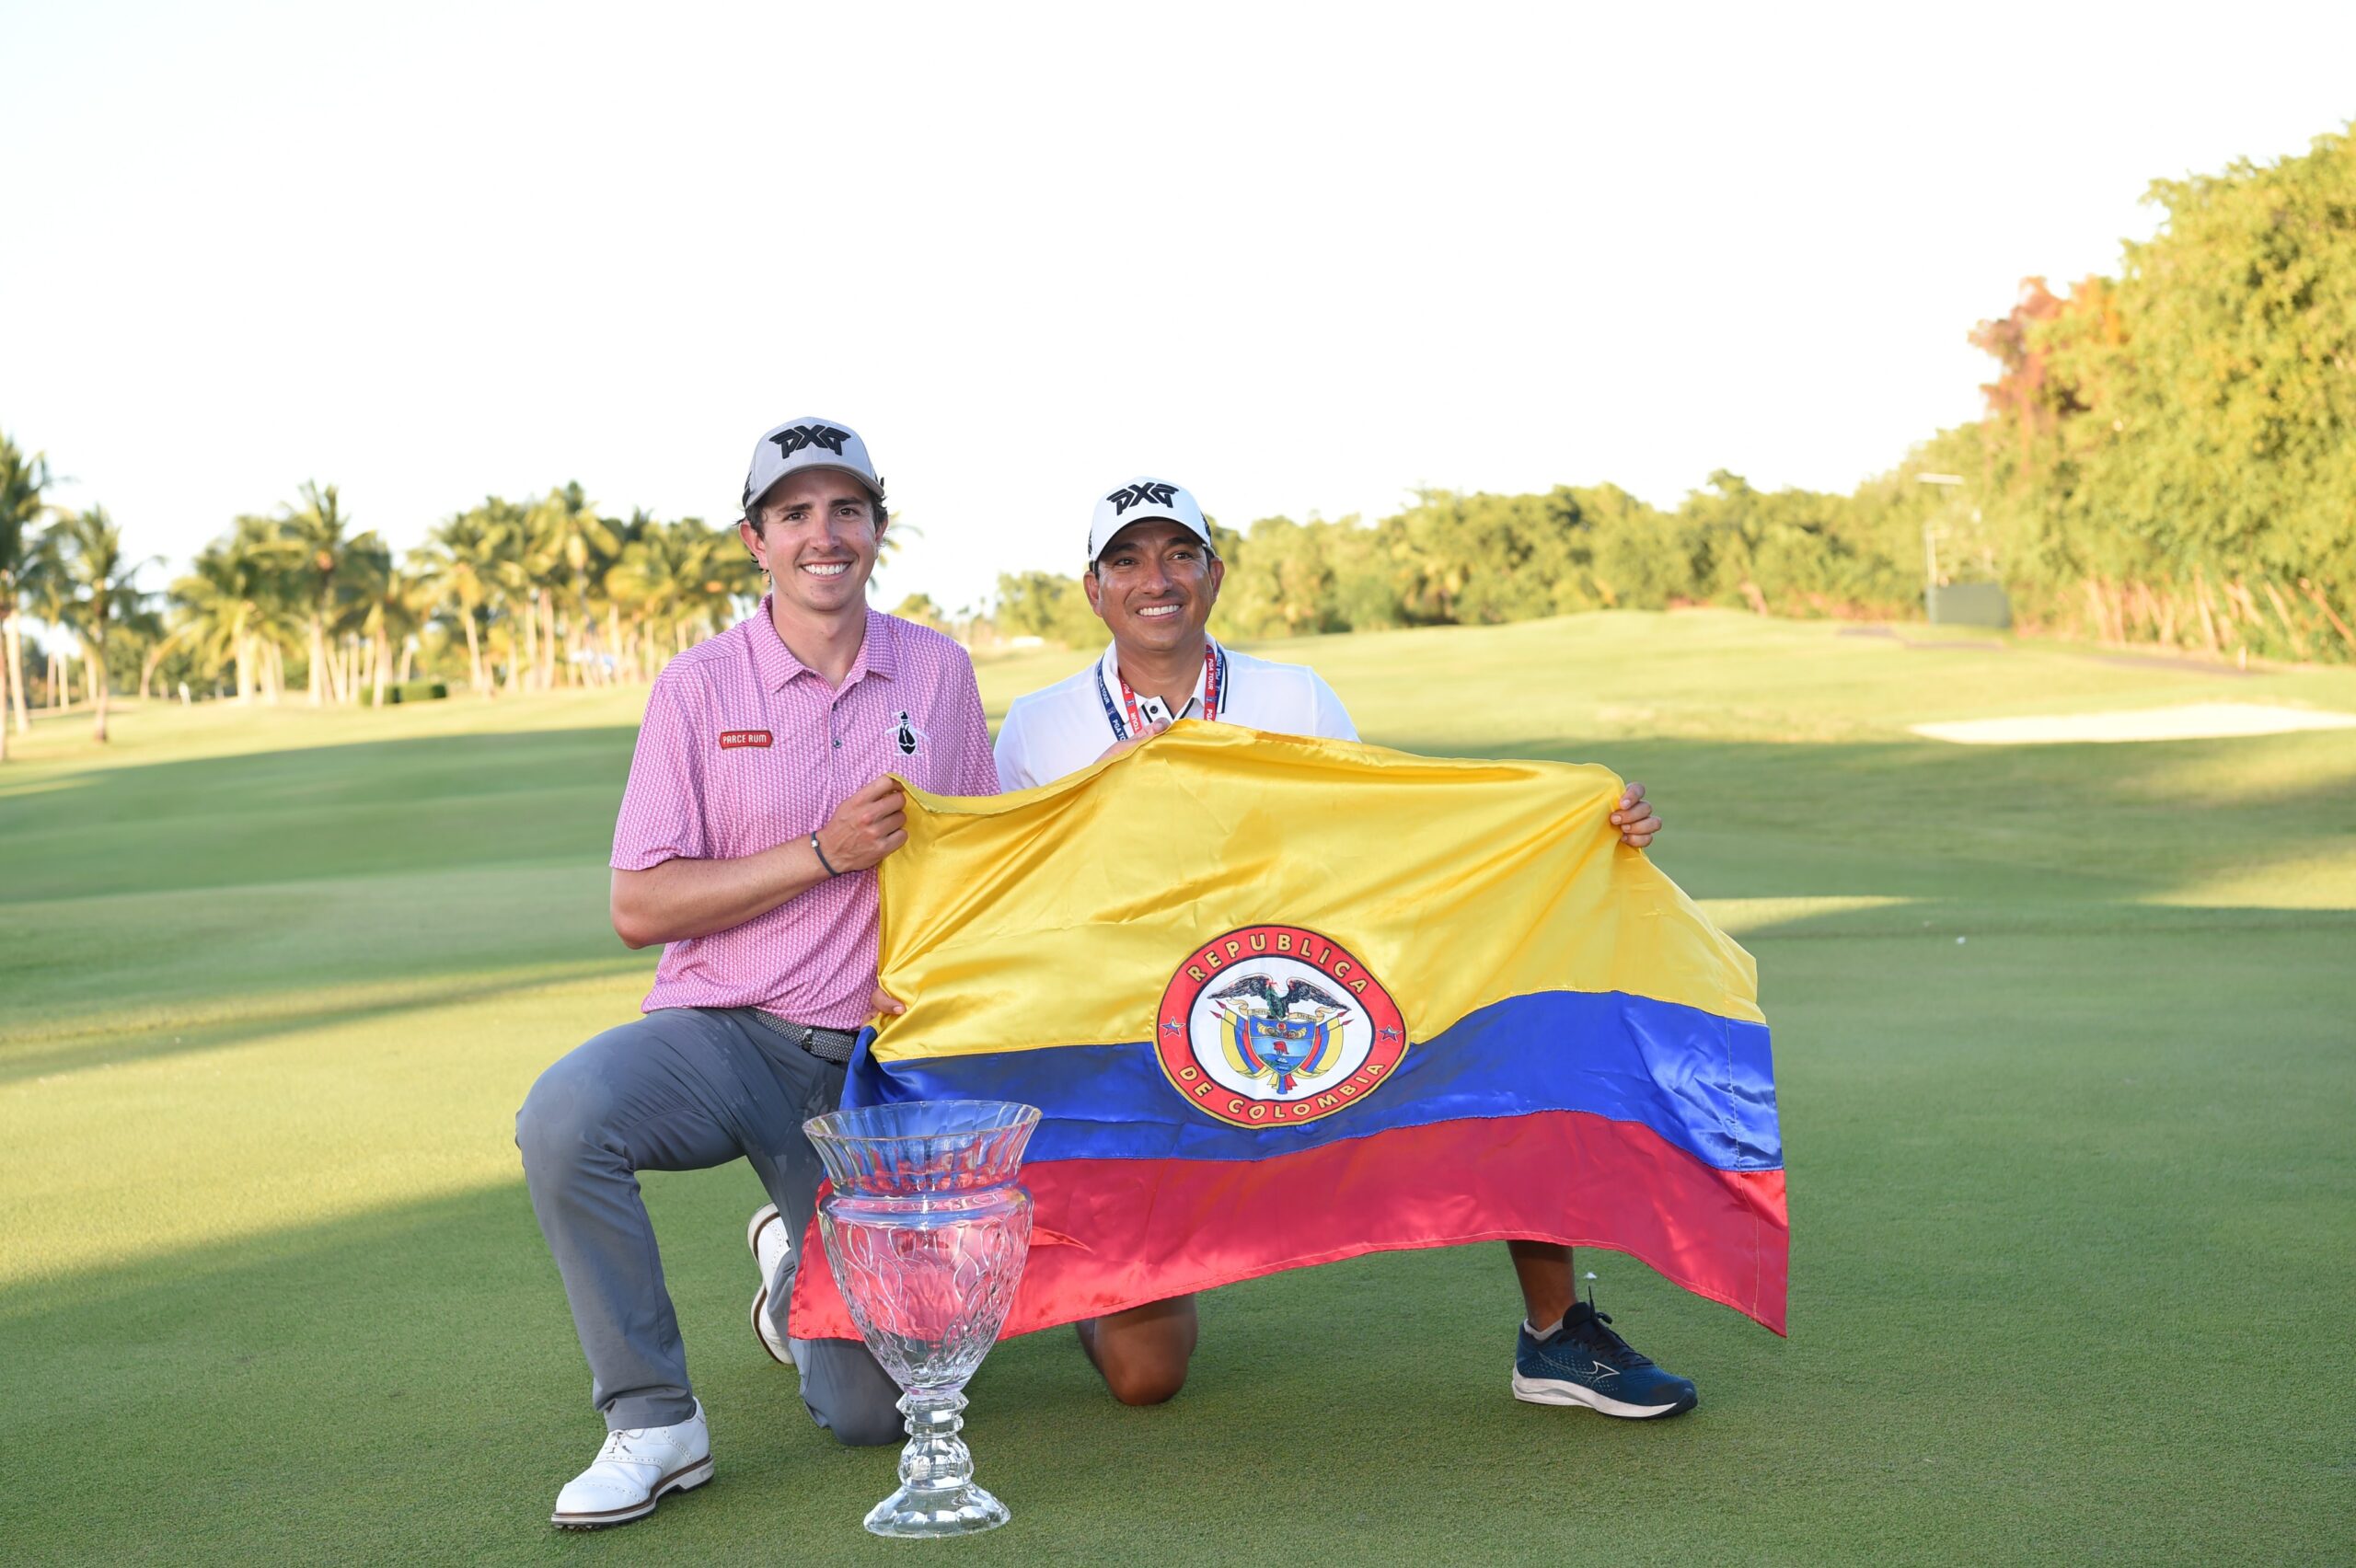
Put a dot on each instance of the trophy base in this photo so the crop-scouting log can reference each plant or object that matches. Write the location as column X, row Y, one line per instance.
column 918, row 1512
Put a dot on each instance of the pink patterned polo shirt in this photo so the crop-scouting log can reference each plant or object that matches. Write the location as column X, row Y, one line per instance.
column 744, row 748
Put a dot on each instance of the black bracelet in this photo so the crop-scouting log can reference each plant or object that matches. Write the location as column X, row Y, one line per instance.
column 822, row 856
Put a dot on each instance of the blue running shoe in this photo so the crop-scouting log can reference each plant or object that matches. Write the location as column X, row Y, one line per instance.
column 1583, row 1362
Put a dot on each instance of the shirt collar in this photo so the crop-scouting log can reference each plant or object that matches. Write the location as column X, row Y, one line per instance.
column 773, row 662
column 1109, row 671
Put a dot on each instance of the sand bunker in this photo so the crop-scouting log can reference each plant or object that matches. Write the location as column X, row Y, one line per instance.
column 2193, row 722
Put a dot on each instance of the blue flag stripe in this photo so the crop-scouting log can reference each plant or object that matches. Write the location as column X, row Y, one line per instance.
column 1705, row 1083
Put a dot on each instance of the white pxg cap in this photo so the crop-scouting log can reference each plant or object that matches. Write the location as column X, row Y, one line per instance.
column 807, row 443
column 1139, row 500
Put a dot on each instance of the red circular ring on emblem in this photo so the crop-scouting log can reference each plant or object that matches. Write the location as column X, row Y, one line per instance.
column 1273, row 1026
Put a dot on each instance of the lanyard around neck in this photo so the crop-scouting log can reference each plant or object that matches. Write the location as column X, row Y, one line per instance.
column 1214, row 677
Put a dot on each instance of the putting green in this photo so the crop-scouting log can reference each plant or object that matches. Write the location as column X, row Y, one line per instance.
column 2064, row 1033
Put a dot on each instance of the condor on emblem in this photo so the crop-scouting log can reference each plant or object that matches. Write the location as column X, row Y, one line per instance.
column 1275, row 1025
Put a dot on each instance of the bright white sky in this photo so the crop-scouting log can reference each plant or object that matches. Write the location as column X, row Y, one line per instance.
column 1300, row 259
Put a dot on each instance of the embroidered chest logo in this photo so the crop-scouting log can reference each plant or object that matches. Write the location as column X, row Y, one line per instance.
column 906, row 738
column 1138, row 495
column 732, row 739
column 1275, row 1025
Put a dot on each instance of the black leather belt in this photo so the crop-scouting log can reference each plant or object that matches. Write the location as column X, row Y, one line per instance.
column 826, row 1044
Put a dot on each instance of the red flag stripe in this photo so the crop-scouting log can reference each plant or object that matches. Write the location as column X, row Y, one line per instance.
column 1166, row 1227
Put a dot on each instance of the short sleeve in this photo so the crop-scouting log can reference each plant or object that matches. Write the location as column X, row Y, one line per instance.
column 1010, row 753
column 1331, row 719
column 662, row 815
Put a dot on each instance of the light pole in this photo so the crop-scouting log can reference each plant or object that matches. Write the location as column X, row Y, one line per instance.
column 1962, row 604
column 1931, row 530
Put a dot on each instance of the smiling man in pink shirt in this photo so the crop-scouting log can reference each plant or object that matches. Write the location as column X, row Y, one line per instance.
column 757, row 807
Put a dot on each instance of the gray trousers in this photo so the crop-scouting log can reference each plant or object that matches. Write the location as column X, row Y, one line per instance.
column 682, row 1088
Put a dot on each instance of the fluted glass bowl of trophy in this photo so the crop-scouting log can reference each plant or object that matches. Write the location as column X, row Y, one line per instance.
column 926, row 1233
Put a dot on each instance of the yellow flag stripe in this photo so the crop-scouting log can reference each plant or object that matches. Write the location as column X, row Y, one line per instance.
column 1055, row 917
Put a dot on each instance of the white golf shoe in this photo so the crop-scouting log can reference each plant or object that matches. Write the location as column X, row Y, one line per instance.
column 773, row 1254
column 632, row 1472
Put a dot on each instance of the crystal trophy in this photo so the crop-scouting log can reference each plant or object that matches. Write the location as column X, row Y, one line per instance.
column 926, row 1233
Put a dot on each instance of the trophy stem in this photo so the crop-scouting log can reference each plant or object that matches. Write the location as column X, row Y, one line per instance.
column 937, row 1494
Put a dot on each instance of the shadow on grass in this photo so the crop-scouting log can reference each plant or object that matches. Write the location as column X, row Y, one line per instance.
column 369, row 807
column 105, row 1047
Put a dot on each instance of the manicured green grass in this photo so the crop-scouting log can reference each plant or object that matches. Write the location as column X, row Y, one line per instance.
column 2066, row 1037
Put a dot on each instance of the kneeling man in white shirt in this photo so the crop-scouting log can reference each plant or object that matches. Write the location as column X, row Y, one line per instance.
column 1153, row 575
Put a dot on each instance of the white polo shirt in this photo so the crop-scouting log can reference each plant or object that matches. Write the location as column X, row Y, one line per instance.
column 1063, row 728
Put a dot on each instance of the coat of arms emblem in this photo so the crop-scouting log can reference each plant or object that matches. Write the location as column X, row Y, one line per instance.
column 1282, row 1038
column 1275, row 1025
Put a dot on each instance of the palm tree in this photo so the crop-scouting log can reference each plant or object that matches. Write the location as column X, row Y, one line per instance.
column 571, row 543
column 682, row 581
column 496, row 542
column 898, row 534
column 314, row 534
column 224, row 604
column 461, row 561
column 395, row 607
column 44, row 589
column 100, row 595
column 519, row 597
column 361, row 579
column 416, row 600
column 732, row 582
column 143, row 634
column 22, row 480
column 285, row 604
column 649, row 585
column 620, row 645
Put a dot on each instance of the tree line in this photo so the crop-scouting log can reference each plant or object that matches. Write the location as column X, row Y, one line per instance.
column 2168, row 456
column 1453, row 559
column 507, row 596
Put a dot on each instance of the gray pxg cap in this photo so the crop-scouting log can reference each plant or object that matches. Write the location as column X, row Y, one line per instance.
column 807, row 443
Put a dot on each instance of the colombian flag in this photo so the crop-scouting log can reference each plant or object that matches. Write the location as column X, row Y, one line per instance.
column 1285, row 1001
